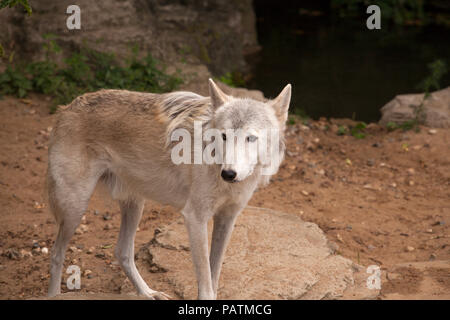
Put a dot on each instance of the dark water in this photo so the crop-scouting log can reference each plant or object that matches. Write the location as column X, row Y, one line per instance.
column 339, row 68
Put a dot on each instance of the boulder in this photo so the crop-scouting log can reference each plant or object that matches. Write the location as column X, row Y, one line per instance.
column 436, row 109
column 272, row 255
column 215, row 33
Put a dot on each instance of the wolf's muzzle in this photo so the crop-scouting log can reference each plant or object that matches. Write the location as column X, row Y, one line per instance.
column 228, row 175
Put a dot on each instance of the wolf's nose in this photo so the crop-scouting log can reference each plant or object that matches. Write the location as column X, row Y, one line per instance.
column 228, row 175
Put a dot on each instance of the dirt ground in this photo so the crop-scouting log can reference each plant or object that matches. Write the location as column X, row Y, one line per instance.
column 382, row 200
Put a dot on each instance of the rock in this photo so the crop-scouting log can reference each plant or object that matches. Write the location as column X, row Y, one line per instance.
column 215, row 33
column 44, row 250
column 432, row 131
column 100, row 255
column 90, row 250
column 291, row 259
column 13, row 254
column 73, row 249
column 87, row 272
column 436, row 109
column 370, row 162
column 108, row 226
column 409, row 249
column 107, row 216
column 25, row 254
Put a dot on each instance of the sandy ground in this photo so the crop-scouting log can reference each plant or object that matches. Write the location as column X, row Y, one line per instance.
column 382, row 200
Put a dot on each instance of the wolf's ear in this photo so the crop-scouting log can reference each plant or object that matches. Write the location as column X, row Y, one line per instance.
column 218, row 98
column 281, row 104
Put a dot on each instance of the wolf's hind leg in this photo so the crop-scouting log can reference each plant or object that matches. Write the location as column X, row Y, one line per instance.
column 131, row 215
column 68, row 201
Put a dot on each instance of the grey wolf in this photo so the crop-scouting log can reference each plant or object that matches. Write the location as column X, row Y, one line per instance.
column 120, row 139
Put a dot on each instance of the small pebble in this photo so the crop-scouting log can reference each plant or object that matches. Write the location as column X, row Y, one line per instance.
column 73, row 249
column 87, row 272
column 432, row 131
column 44, row 250
column 409, row 248
column 108, row 226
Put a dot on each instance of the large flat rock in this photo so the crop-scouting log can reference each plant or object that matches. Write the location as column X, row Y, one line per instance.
column 272, row 255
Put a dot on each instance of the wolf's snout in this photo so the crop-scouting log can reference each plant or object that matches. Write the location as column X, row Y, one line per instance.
column 228, row 175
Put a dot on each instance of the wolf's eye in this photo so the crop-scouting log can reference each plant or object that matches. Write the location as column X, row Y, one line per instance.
column 251, row 138
column 224, row 136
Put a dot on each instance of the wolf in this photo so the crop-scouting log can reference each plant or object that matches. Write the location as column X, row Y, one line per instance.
column 119, row 138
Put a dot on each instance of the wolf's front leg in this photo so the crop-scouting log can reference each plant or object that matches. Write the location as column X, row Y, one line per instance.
column 223, row 227
column 197, row 227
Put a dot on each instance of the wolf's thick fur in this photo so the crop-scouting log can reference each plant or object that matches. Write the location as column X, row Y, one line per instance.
column 122, row 139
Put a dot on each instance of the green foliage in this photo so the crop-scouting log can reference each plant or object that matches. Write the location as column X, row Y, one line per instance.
column 342, row 130
column 233, row 79
column 84, row 71
column 291, row 120
column 391, row 126
column 13, row 3
column 438, row 69
column 357, row 131
column 399, row 11
column 13, row 82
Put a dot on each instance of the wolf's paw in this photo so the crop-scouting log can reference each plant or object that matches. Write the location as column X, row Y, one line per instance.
column 156, row 295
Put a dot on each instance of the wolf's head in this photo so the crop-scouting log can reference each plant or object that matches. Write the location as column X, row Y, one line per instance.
column 252, row 132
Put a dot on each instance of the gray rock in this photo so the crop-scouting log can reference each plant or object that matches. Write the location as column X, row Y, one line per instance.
column 272, row 255
column 215, row 33
column 436, row 109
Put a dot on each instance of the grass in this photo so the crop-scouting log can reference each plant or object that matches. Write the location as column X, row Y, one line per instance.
column 83, row 71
